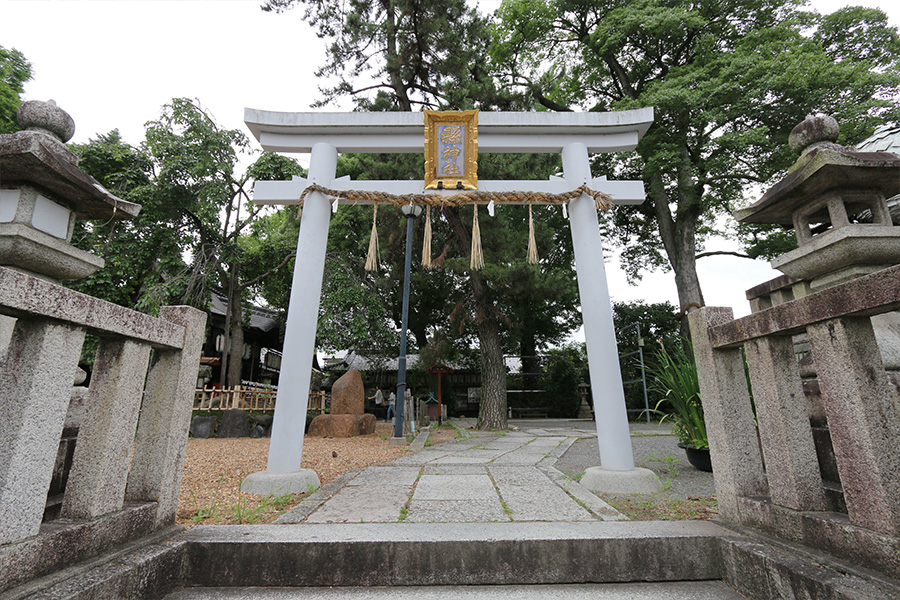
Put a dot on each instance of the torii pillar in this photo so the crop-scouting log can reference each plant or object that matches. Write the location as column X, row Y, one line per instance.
column 326, row 134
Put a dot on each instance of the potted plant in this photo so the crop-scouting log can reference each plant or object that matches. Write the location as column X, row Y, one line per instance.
column 674, row 376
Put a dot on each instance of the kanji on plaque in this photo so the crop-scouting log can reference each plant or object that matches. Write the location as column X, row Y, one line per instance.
column 450, row 155
column 451, row 149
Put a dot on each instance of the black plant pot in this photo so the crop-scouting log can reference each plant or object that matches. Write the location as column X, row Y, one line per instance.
column 698, row 457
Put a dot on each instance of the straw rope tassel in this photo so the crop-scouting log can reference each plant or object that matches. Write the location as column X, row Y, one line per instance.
column 372, row 257
column 426, row 243
column 532, row 246
column 477, row 259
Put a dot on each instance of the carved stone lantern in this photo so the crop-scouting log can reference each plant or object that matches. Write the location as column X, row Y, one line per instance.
column 834, row 198
column 43, row 192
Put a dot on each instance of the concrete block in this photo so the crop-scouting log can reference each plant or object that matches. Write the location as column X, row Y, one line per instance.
column 35, row 384
column 453, row 553
column 62, row 544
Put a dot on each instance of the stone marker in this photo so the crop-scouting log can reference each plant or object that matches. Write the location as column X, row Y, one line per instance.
column 342, row 425
column 348, row 395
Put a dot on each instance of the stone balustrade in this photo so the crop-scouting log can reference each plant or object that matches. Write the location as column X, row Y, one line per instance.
column 773, row 480
column 131, row 441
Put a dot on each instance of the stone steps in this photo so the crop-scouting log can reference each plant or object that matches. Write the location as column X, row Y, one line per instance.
column 437, row 554
column 695, row 590
column 601, row 560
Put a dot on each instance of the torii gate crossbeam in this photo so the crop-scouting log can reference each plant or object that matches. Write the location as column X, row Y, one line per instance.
column 574, row 135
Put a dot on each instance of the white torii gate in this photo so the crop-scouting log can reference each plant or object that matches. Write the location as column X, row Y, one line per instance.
column 575, row 135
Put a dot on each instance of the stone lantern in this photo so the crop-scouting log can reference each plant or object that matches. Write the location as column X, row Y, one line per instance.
column 43, row 192
column 834, row 198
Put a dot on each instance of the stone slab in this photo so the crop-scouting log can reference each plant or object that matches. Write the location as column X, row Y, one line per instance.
column 453, row 553
column 28, row 295
column 364, row 504
column 434, row 469
column 532, row 496
column 584, row 496
column 457, row 511
column 456, row 459
column 676, row 590
column 454, row 487
column 386, row 476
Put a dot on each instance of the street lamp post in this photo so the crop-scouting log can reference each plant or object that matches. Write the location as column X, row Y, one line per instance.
column 410, row 211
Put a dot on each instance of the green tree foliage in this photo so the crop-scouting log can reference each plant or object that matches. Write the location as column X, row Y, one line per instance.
column 400, row 55
column 15, row 70
column 142, row 254
column 566, row 368
column 727, row 82
column 197, row 228
column 659, row 327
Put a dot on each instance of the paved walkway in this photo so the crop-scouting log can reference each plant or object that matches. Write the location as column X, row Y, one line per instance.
column 486, row 478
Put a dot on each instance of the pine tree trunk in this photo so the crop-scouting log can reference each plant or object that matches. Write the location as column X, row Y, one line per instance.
column 492, row 411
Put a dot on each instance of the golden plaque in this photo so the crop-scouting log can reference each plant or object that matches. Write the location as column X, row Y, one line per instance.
column 451, row 149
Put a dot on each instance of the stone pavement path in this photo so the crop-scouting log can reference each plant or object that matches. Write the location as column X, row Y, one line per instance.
column 486, row 478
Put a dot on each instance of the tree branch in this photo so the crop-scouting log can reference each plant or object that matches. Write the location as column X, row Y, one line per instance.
column 271, row 271
column 723, row 252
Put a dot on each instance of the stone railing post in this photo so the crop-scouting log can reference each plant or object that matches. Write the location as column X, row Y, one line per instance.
column 162, row 430
column 788, row 447
column 730, row 426
column 96, row 484
column 35, row 386
column 862, row 410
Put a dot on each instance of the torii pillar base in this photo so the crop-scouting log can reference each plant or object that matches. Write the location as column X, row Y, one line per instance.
column 632, row 481
column 279, row 484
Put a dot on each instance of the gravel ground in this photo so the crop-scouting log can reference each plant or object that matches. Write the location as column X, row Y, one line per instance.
column 687, row 493
column 214, row 469
column 659, row 453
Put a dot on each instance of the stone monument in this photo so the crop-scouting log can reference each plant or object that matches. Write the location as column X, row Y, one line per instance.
column 348, row 417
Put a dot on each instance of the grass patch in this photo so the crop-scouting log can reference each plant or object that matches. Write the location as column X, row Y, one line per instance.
column 664, row 507
column 247, row 510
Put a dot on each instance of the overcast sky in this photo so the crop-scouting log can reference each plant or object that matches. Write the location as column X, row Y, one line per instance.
column 114, row 64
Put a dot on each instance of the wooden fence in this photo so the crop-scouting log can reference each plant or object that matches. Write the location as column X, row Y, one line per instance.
column 245, row 398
